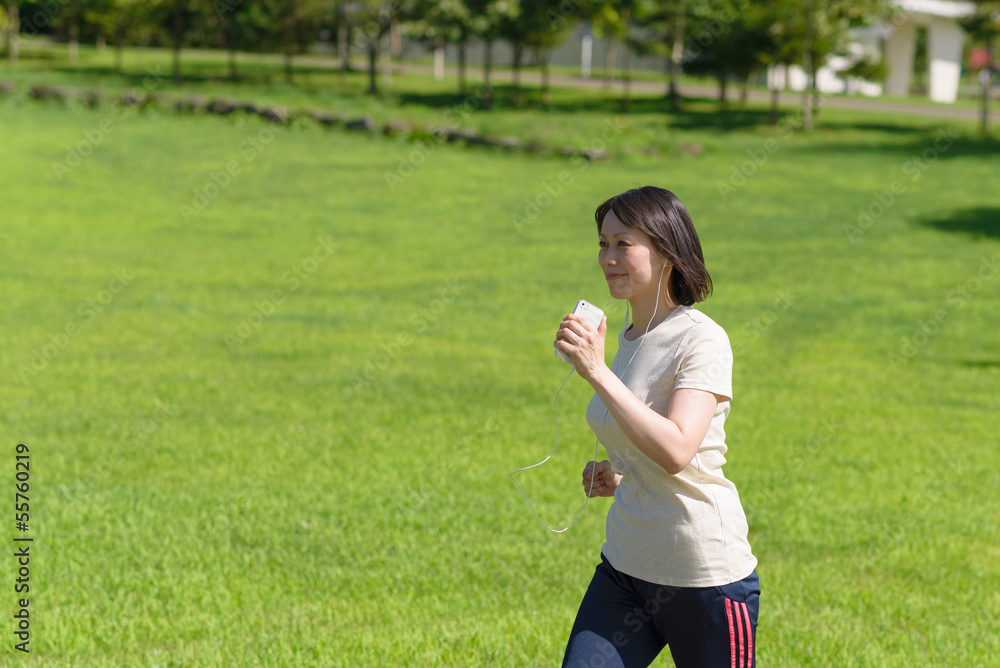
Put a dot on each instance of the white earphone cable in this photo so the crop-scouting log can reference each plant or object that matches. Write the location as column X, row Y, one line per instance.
column 598, row 439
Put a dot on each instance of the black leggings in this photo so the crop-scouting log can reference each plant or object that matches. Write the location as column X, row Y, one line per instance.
column 625, row 622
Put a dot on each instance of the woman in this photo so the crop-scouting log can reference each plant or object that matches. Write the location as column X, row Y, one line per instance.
column 676, row 567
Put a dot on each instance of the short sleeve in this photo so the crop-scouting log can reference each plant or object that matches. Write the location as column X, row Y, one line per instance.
column 707, row 362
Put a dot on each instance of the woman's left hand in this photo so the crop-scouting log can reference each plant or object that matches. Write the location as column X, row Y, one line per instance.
column 583, row 344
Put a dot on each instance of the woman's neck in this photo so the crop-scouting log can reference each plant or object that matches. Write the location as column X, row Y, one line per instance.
column 646, row 316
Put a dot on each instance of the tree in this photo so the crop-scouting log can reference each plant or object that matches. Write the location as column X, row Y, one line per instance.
column 293, row 25
column 786, row 30
column 118, row 19
column 984, row 28
column 374, row 20
column 730, row 38
column 74, row 17
column 239, row 24
column 12, row 28
column 611, row 21
column 490, row 18
column 538, row 27
column 441, row 22
column 179, row 21
column 663, row 22
column 825, row 33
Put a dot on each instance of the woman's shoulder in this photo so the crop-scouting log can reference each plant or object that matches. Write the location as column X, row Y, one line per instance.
column 700, row 325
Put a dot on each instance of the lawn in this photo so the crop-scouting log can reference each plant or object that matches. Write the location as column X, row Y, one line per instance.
column 278, row 430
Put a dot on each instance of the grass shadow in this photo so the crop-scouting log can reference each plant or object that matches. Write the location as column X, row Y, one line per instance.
column 128, row 77
column 694, row 114
column 981, row 364
column 925, row 143
column 897, row 128
column 980, row 222
column 194, row 72
column 505, row 97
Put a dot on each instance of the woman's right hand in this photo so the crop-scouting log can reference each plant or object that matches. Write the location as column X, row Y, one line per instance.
column 599, row 479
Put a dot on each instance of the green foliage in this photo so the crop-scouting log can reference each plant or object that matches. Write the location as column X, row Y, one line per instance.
column 870, row 70
column 984, row 26
column 730, row 37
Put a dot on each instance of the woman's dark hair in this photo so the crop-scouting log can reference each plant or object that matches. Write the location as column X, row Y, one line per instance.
column 662, row 216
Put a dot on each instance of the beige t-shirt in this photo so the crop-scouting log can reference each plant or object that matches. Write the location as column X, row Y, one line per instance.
column 689, row 529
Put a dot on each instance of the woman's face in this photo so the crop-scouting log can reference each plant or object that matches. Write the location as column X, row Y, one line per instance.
column 630, row 263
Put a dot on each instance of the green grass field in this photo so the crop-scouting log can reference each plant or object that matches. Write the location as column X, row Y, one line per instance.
column 278, row 431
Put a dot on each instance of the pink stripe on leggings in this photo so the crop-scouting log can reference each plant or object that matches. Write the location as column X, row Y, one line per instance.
column 746, row 617
column 732, row 636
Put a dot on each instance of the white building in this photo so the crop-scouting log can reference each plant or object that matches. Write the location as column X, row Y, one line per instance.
column 945, row 39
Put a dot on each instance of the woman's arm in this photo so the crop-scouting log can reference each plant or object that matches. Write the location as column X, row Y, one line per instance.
column 670, row 440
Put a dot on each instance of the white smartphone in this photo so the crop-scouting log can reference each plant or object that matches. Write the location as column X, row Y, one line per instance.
column 591, row 313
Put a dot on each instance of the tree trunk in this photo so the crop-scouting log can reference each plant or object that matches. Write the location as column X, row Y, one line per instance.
column 289, row 70
column 987, row 83
column 627, row 89
column 119, row 41
column 807, row 64
column 814, row 91
column 543, row 60
column 487, row 101
column 233, row 74
column 676, row 54
column 745, row 91
column 342, row 46
column 723, row 102
column 178, row 38
column 74, row 32
column 773, row 117
column 488, row 63
column 227, row 39
column 372, row 65
column 13, row 31
column 609, row 63
column 461, row 68
column 518, row 51
column 386, row 61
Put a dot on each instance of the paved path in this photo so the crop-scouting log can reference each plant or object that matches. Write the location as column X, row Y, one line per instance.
column 732, row 93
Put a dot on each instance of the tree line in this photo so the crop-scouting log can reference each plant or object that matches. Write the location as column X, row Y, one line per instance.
column 732, row 40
